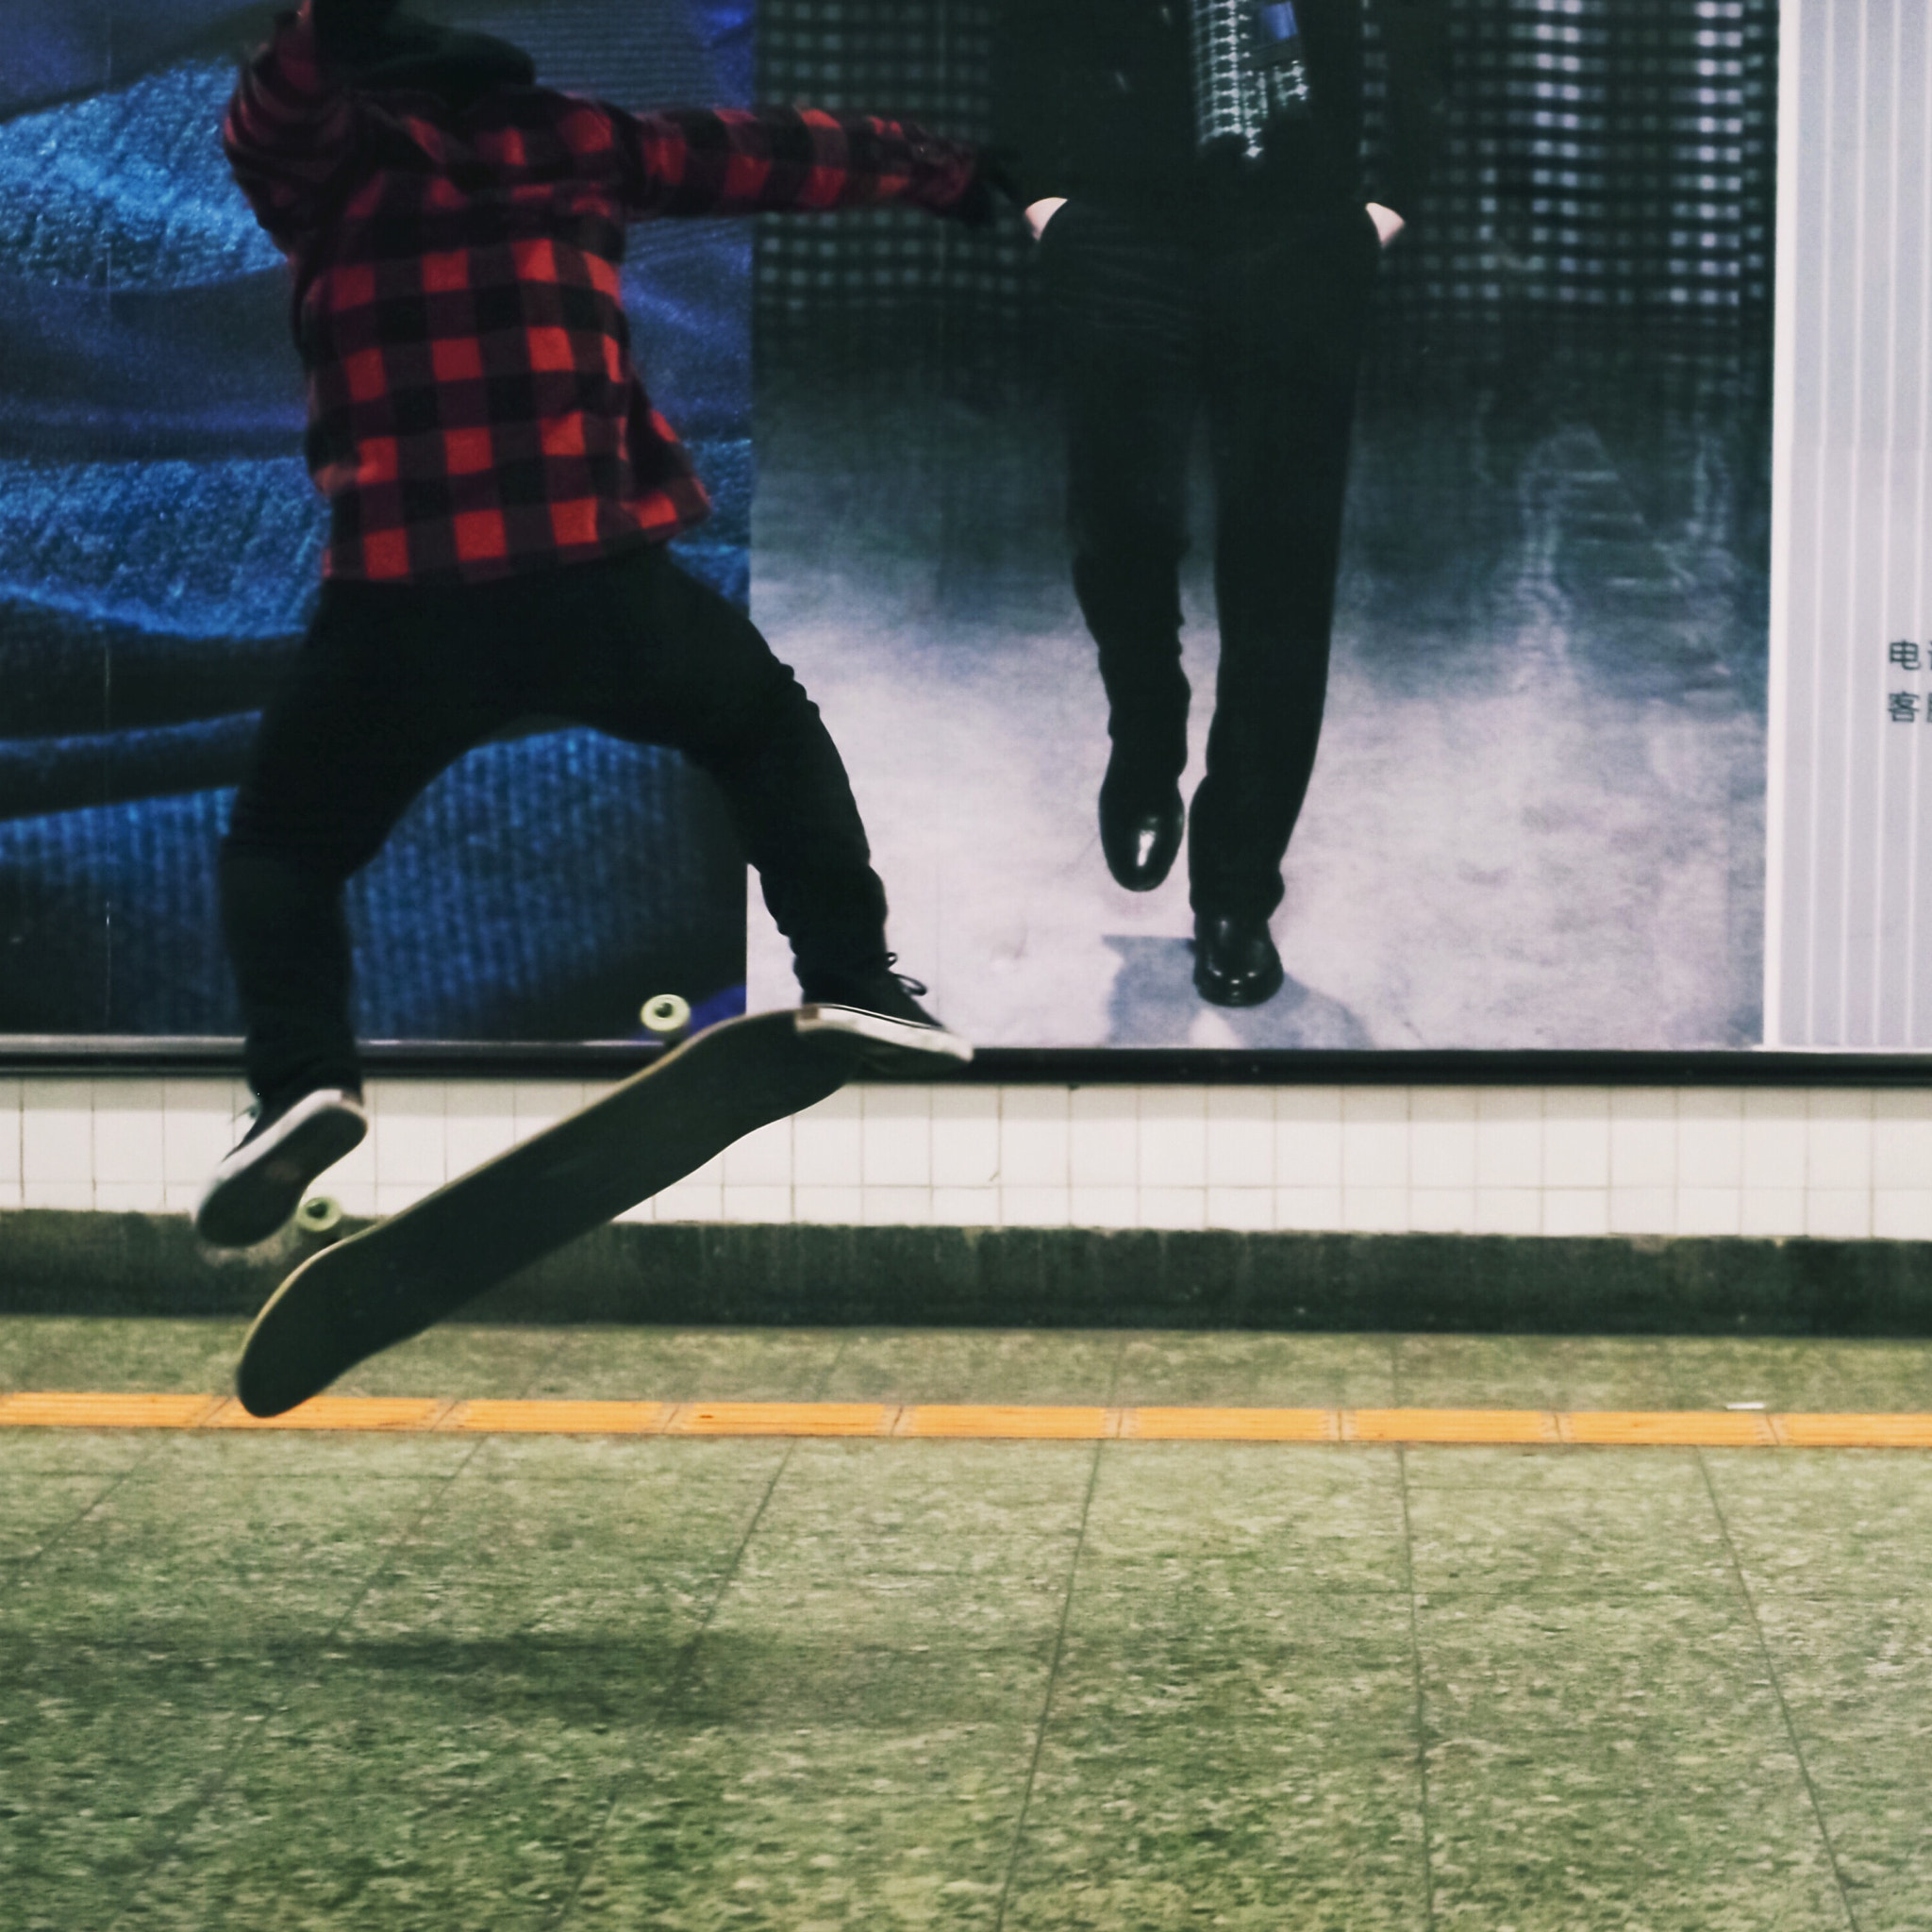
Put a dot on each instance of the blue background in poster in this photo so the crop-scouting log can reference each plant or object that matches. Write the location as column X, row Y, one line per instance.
column 159, row 545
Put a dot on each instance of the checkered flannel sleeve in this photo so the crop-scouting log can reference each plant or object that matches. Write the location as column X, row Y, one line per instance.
column 290, row 134
column 750, row 161
column 1416, row 36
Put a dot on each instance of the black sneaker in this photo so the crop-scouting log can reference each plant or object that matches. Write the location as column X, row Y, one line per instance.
column 260, row 1186
column 877, row 1004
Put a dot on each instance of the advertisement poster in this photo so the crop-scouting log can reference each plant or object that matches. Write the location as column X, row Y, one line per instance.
column 1535, row 814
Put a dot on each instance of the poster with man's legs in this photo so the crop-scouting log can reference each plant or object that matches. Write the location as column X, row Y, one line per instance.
column 1535, row 813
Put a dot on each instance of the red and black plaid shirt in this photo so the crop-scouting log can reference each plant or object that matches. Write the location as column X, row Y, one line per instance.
column 473, row 408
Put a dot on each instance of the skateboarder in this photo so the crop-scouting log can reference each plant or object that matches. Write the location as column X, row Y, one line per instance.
column 500, row 493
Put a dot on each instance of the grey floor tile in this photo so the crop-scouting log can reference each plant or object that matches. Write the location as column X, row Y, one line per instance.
column 457, row 1359
column 26, row 1452
column 651, row 1617
column 598, row 1560
column 1617, row 1765
column 767, row 1663
column 107, row 1755
column 513, row 1520
column 664, row 1464
column 1499, row 1670
column 1514, row 1851
column 165, row 1355
column 1207, row 1647
column 896, row 1503
column 909, row 1575
column 1252, row 1370
column 194, row 1457
column 1801, row 1373
column 1857, row 1677
column 39, row 1509
column 849, row 1741
column 1557, row 1469
column 1320, row 1518
column 1844, row 1522
column 1138, row 1824
column 1582, row 1523
column 781, row 1602
column 690, row 1364
column 1045, row 1366
column 922, row 1571
column 413, row 1785
column 219, row 1565
column 1533, row 1372
column 815, row 1824
column 22, row 1341
column 1222, row 1750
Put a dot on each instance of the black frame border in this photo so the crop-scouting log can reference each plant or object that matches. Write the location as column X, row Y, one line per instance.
column 30, row 1056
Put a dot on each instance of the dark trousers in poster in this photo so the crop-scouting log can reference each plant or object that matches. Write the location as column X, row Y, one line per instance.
column 395, row 682
column 1256, row 318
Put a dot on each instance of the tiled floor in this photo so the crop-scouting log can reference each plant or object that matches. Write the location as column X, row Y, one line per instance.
column 552, row 1682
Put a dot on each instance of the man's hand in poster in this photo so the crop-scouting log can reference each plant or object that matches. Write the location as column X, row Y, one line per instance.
column 1040, row 212
column 1388, row 223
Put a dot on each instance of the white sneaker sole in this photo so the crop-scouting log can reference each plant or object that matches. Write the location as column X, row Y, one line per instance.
column 257, row 1189
column 884, row 1030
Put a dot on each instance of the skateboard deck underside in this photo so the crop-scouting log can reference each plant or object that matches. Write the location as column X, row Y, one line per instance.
column 395, row 1279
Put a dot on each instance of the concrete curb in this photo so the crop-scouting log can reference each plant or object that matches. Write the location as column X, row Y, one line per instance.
column 56, row 1262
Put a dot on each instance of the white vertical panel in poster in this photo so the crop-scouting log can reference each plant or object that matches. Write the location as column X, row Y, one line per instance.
column 1850, row 886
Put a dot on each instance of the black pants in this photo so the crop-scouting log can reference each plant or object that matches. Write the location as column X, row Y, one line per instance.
column 1258, row 320
column 394, row 682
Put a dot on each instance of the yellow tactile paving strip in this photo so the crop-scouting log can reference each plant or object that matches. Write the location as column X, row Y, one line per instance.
column 962, row 1421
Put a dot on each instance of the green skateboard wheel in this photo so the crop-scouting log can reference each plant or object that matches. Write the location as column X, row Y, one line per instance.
column 666, row 1013
column 318, row 1214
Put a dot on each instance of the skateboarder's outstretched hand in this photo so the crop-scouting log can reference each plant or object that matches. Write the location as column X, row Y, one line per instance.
column 350, row 30
column 992, row 187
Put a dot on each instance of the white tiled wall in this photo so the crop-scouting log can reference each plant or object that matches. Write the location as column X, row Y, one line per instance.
column 1835, row 1162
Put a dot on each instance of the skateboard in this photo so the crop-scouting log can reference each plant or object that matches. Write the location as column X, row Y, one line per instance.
column 397, row 1278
